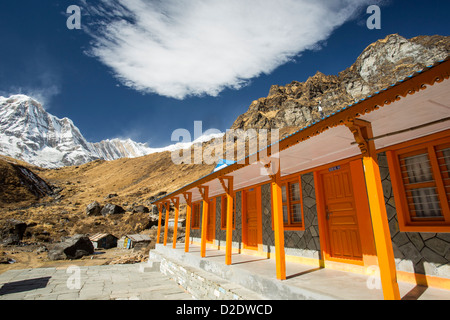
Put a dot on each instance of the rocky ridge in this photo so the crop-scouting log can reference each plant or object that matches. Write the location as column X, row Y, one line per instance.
column 379, row 65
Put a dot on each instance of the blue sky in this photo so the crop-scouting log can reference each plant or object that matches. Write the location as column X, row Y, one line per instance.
column 158, row 66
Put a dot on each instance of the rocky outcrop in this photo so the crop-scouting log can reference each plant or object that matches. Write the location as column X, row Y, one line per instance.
column 12, row 232
column 18, row 184
column 381, row 64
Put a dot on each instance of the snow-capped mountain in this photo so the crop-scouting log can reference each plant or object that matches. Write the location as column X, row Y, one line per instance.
column 29, row 133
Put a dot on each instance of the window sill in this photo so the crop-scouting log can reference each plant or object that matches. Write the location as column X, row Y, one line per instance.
column 422, row 228
column 299, row 228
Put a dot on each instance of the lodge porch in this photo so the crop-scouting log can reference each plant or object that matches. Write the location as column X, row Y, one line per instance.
column 258, row 274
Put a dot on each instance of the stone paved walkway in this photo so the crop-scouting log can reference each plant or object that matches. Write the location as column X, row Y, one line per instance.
column 118, row 282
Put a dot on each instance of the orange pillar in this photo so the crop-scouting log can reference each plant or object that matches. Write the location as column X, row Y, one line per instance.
column 159, row 223
column 229, row 245
column 204, row 192
column 363, row 133
column 278, row 226
column 381, row 232
column 188, row 198
column 176, row 202
column 228, row 188
column 166, row 227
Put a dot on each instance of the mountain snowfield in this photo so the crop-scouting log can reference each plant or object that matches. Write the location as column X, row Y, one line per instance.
column 30, row 134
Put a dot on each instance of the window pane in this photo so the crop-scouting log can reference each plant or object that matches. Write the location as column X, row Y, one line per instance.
column 283, row 193
column 296, row 213
column 194, row 216
column 444, row 167
column 294, row 191
column 425, row 202
column 285, row 214
column 446, row 153
column 418, row 169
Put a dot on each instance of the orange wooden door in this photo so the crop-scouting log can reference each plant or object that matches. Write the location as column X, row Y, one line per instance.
column 211, row 222
column 340, row 209
column 251, row 218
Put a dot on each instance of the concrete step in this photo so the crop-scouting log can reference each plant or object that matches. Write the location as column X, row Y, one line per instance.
column 201, row 284
column 150, row 266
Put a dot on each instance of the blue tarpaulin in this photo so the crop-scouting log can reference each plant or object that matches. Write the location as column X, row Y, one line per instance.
column 223, row 163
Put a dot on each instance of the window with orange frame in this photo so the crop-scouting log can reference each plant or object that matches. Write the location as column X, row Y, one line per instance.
column 421, row 183
column 291, row 191
column 196, row 212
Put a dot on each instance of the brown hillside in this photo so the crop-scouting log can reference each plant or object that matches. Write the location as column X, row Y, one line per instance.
column 133, row 180
column 20, row 185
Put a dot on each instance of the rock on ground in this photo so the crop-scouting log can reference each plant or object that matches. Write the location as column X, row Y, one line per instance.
column 94, row 209
column 73, row 248
column 109, row 209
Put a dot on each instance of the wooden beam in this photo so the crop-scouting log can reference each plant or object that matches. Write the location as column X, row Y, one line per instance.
column 204, row 191
column 188, row 197
column 229, row 233
column 363, row 133
column 176, row 202
column 160, row 207
column 278, row 225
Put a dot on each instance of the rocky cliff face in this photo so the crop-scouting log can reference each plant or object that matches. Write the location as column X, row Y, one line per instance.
column 380, row 65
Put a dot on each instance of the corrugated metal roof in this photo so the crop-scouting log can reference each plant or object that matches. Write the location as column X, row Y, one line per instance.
column 138, row 237
column 98, row 236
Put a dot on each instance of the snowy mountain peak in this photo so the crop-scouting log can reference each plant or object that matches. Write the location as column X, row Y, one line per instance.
column 29, row 133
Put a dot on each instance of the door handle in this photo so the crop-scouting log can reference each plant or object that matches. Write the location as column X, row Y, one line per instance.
column 328, row 214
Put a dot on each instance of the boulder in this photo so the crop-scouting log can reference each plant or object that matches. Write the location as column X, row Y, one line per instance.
column 73, row 248
column 12, row 232
column 140, row 209
column 94, row 209
column 153, row 221
column 110, row 209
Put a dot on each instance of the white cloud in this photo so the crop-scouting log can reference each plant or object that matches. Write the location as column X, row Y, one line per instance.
column 180, row 48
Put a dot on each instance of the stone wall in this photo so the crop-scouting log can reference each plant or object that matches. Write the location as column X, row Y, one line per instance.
column 201, row 284
column 221, row 235
column 415, row 252
column 297, row 243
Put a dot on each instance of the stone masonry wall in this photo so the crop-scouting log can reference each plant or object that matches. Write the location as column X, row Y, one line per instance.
column 297, row 243
column 203, row 285
column 415, row 252
column 220, row 235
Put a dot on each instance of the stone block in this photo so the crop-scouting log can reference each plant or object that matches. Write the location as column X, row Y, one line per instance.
column 439, row 246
